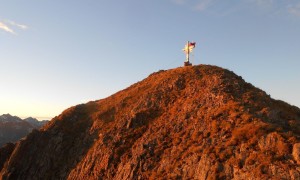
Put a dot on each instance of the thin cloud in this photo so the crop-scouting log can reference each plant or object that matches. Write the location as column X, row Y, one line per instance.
column 6, row 28
column 294, row 10
column 286, row 7
column 204, row 4
column 21, row 26
column 11, row 26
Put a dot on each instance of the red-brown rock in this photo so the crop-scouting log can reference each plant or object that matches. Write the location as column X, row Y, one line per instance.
column 196, row 122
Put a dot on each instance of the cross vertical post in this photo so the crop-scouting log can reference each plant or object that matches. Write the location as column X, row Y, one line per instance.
column 188, row 49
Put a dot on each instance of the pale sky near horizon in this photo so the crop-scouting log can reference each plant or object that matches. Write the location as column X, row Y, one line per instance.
column 56, row 54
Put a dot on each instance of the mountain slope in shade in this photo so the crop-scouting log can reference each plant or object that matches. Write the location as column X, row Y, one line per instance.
column 13, row 128
column 35, row 123
column 199, row 122
column 5, row 152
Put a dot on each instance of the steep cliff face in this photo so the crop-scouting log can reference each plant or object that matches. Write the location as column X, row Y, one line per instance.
column 200, row 122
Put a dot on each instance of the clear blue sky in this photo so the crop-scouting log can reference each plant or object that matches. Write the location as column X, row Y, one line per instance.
column 55, row 54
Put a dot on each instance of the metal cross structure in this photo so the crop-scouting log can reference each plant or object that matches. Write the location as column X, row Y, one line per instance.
column 188, row 48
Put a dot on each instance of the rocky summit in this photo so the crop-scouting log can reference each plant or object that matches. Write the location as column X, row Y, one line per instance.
column 196, row 122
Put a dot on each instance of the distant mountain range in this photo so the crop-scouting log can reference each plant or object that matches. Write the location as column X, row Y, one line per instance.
column 13, row 128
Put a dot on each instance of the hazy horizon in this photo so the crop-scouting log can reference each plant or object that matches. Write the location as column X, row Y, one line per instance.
column 38, row 118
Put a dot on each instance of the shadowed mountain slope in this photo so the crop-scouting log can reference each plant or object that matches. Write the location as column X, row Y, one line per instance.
column 198, row 122
column 13, row 128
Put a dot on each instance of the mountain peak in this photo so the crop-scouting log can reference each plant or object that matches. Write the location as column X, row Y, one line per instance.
column 9, row 118
column 196, row 122
column 13, row 128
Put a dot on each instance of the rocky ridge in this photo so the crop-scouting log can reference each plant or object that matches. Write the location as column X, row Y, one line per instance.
column 198, row 122
column 35, row 123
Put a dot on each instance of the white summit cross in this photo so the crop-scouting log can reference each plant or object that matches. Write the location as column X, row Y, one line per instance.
column 188, row 48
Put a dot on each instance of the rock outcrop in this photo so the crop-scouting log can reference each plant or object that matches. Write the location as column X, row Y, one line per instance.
column 296, row 152
column 198, row 122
